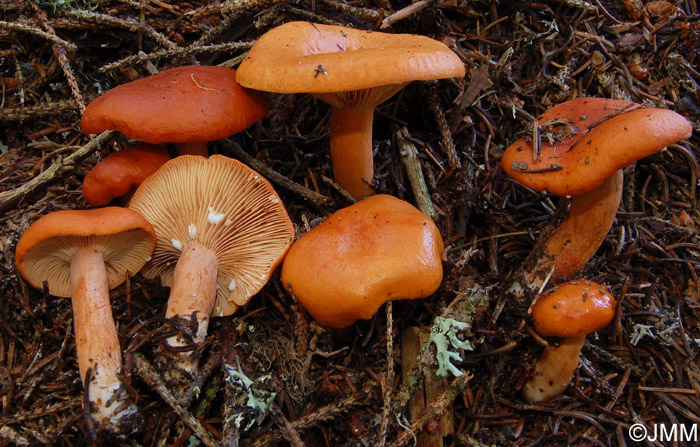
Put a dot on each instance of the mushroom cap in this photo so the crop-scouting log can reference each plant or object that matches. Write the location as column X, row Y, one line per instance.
column 122, row 172
column 225, row 206
column 585, row 157
column 45, row 250
column 573, row 309
column 303, row 57
column 194, row 103
column 376, row 250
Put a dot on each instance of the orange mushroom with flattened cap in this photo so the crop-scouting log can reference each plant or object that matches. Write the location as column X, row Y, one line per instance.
column 571, row 311
column 353, row 71
column 187, row 105
column 376, row 250
column 592, row 139
column 83, row 254
column 118, row 175
column 222, row 229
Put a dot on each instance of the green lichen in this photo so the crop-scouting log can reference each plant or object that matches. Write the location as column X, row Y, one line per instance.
column 259, row 400
column 444, row 335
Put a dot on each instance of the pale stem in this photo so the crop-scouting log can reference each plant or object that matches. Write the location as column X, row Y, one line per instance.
column 193, row 291
column 554, row 370
column 351, row 149
column 575, row 240
column 96, row 340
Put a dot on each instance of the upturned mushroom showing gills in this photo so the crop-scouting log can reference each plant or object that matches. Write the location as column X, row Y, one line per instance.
column 571, row 311
column 120, row 173
column 187, row 106
column 579, row 150
column 83, row 254
column 353, row 71
column 222, row 229
column 376, row 250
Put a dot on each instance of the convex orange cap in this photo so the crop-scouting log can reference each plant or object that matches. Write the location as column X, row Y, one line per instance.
column 376, row 250
column 120, row 173
column 573, row 309
column 588, row 148
column 194, row 103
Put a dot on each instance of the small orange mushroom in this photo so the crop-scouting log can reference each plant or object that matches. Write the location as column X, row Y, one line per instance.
column 376, row 250
column 120, row 173
column 571, row 311
column 353, row 71
column 187, row 105
column 83, row 254
column 592, row 139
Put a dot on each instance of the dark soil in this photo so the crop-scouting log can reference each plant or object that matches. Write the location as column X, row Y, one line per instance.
column 344, row 388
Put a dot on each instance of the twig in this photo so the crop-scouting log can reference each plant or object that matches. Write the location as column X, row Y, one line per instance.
column 10, row 198
column 335, row 185
column 289, row 432
column 408, row 11
column 409, row 157
column 60, row 52
column 275, row 176
column 14, row 26
column 150, row 376
column 389, row 378
column 12, row 114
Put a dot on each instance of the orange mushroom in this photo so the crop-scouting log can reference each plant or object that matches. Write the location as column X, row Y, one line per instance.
column 187, row 105
column 592, row 139
column 571, row 311
column 83, row 254
column 353, row 71
column 120, row 173
column 222, row 229
column 376, row 250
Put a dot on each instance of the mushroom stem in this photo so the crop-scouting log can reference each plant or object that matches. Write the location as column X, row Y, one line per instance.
column 575, row 240
column 554, row 370
column 193, row 291
column 96, row 340
column 351, row 149
column 195, row 148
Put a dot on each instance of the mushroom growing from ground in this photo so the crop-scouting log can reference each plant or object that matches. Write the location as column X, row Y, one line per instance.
column 187, row 106
column 376, row 250
column 353, row 71
column 120, row 173
column 571, row 311
column 222, row 229
column 83, row 254
column 592, row 139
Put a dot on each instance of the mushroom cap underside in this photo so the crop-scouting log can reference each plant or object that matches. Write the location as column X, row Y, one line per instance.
column 45, row 250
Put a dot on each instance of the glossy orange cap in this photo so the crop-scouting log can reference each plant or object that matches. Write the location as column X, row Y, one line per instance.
column 376, row 250
column 582, row 158
column 573, row 309
column 194, row 103
column 122, row 172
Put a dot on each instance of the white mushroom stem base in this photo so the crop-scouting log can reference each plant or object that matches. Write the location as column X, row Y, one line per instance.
column 193, row 291
column 351, row 149
column 574, row 241
column 554, row 370
column 96, row 340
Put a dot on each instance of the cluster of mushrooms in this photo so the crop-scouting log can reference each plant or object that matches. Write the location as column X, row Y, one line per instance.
column 214, row 230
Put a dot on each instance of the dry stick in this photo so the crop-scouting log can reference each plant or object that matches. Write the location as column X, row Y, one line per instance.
column 401, row 14
column 366, row 14
column 344, row 192
column 275, row 176
column 60, row 52
column 433, row 411
column 132, row 25
column 329, row 412
column 289, row 432
column 150, row 376
column 12, row 114
column 388, row 381
column 13, row 26
column 176, row 52
column 409, row 157
column 10, row 198
column 447, row 142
